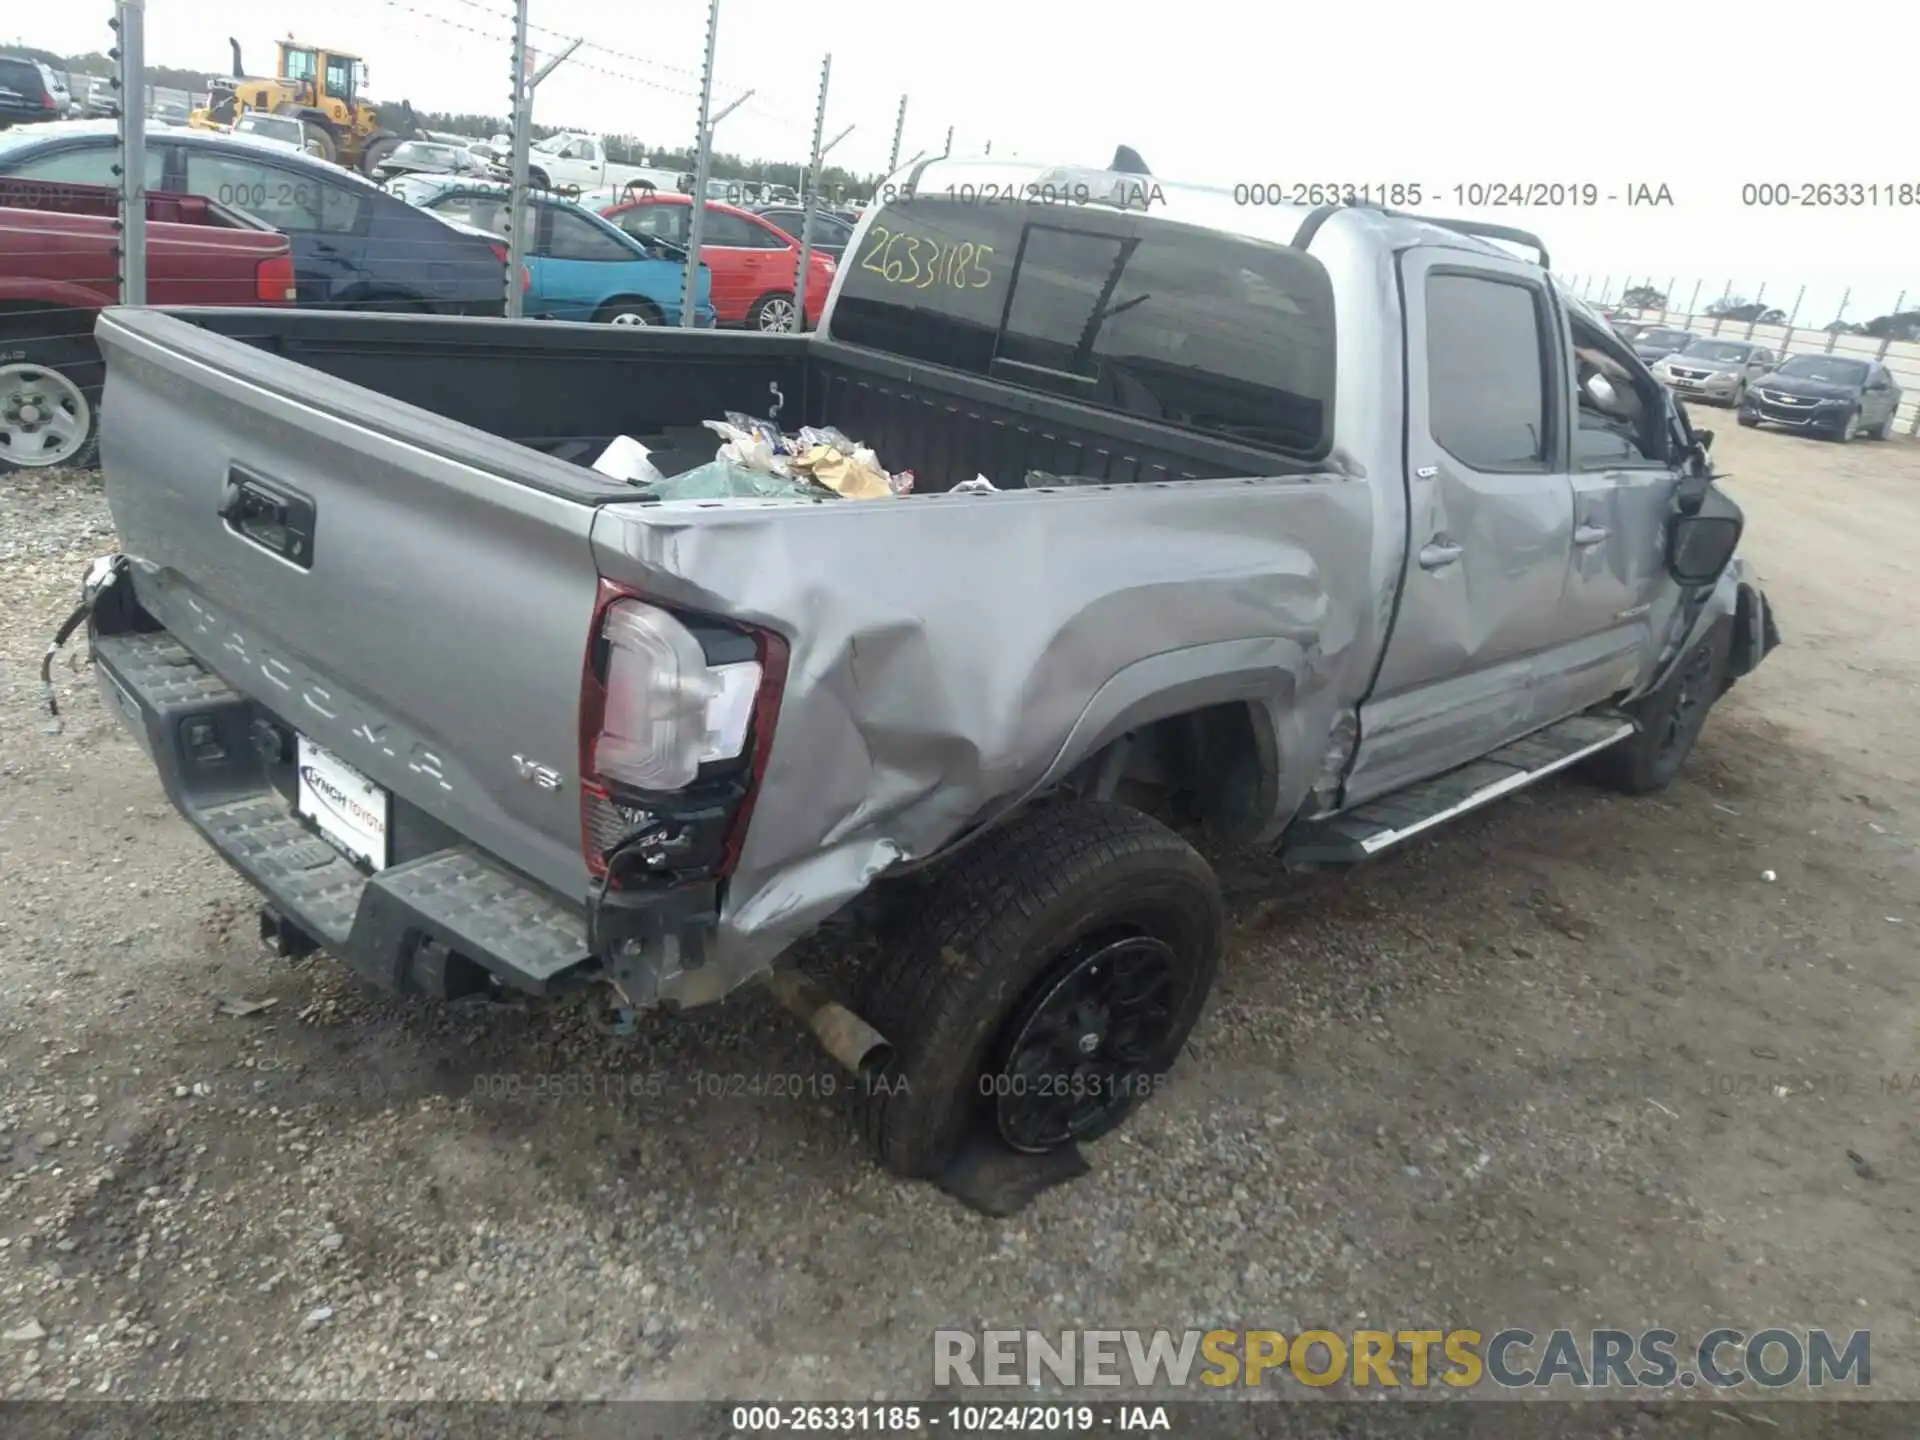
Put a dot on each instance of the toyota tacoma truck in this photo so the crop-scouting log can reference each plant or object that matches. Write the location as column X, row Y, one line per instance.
column 1317, row 528
column 60, row 267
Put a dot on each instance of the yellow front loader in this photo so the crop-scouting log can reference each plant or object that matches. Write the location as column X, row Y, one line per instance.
column 324, row 89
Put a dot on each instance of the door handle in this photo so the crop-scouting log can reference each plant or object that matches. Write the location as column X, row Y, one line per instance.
column 1440, row 553
column 1590, row 534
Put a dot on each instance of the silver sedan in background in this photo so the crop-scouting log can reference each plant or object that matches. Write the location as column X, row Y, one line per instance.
column 1717, row 371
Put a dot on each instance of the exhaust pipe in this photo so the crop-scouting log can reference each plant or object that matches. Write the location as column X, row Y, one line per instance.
column 841, row 1033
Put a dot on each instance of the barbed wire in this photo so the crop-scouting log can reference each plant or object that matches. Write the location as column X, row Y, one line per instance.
column 788, row 121
column 604, row 49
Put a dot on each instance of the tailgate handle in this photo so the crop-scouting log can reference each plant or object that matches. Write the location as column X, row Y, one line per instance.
column 275, row 517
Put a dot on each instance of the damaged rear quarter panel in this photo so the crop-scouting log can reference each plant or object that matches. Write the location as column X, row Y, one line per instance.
column 952, row 653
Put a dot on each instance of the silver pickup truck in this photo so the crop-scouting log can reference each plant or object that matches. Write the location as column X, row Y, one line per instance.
column 1335, row 525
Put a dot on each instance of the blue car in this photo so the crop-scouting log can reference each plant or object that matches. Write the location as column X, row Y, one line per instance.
column 582, row 267
column 354, row 246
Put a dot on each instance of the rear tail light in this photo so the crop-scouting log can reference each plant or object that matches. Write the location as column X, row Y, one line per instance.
column 273, row 281
column 505, row 256
column 656, row 712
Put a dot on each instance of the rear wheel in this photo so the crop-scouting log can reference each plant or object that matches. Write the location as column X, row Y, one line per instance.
column 774, row 313
column 49, row 398
column 1884, row 430
column 1043, row 989
column 537, row 178
column 629, row 312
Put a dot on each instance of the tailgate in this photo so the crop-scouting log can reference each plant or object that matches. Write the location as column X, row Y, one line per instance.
column 422, row 613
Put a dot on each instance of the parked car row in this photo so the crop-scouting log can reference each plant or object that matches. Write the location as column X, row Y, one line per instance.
column 1840, row 397
column 580, row 266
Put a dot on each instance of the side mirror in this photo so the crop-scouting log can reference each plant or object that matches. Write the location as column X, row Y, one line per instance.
column 1700, row 545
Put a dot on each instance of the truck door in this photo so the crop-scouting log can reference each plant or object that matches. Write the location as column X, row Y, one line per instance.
column 1623, row 484
column 1490, row 528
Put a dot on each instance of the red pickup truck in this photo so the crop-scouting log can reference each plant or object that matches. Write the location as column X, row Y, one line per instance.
column 59, row 269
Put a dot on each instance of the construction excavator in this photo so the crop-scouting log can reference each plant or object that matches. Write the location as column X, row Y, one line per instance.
column 322, row 88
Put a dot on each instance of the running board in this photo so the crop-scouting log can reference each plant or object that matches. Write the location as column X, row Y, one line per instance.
column 1344, row 840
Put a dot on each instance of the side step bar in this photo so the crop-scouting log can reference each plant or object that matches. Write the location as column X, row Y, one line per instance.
column 1345, row 840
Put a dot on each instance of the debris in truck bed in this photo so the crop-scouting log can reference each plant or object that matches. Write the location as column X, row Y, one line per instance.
column 857, row 476
column 627, row 459
column 820, row 456
column 730, row 480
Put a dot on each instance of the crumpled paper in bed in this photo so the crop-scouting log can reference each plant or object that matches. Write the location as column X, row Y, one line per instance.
column 856, row 477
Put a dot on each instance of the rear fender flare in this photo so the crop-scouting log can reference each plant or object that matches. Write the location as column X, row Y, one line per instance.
column 1267, row 674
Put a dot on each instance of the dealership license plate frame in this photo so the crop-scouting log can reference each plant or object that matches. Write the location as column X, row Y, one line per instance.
column 367, row 844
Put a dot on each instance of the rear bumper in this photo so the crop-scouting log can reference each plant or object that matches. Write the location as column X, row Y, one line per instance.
column 215, row 751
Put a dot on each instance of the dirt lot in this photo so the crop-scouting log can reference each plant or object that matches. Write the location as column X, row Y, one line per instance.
column 1579, row 1061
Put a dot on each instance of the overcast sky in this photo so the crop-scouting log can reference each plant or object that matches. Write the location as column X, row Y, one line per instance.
column 1619, row 95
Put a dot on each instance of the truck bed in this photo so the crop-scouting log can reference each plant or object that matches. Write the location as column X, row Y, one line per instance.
column 567, row 390
column 331, row 545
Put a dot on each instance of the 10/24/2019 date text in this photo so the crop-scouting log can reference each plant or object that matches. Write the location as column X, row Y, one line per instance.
column 1465, row 194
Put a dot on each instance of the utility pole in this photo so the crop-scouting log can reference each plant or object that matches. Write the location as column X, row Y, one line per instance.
column 702, row 172
column 130, row 79
column 899, row 129
column 518, row 210
column 807, row 193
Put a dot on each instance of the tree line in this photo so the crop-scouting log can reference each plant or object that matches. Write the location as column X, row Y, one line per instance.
column 1900, row 325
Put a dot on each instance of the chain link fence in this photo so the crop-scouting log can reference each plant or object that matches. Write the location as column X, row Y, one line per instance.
column 533, row 167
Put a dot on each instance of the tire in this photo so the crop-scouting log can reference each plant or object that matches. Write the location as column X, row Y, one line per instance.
column 773, row 313
column 49, row 395
column 629, row 312
column 1844, row 435
column 376, row 152
column 537, row 178
column 320, row 143
column 1012, row 919
column 1671, row 719
column 1750, row 421
column 1884, row 430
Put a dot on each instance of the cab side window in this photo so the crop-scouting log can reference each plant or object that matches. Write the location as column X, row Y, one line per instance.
column 1487, row 393
column 1627, row 429
column 656, row 222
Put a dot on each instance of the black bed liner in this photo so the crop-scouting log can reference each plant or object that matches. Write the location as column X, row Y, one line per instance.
column 566, row 390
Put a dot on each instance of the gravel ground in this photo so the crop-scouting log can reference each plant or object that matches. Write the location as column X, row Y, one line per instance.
column 1578, row 1061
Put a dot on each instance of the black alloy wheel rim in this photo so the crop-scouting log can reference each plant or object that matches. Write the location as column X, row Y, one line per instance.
column 1086, row 1045
column 1690, row 705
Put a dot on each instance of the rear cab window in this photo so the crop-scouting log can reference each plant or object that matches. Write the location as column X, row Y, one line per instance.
column 1219, row 334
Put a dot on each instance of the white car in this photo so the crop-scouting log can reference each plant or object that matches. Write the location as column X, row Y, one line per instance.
column 283, row 131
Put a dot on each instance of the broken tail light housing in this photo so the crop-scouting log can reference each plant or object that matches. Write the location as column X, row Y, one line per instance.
column 676, row 726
